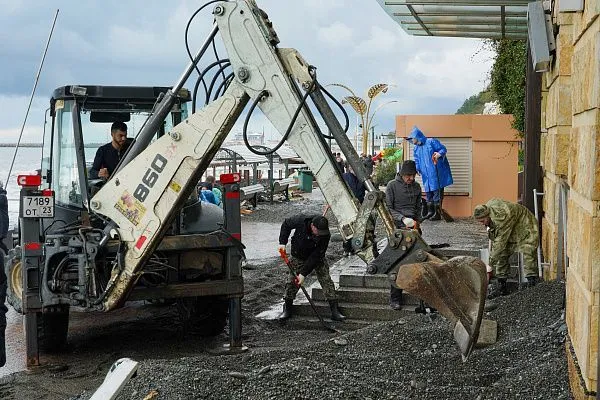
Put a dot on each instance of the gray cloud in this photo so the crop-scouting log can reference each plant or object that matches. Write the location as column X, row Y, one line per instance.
column 141, row 43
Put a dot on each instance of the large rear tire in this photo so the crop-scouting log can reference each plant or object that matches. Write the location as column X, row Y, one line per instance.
column 205, row 316
column 53, row 328
column 14, row 275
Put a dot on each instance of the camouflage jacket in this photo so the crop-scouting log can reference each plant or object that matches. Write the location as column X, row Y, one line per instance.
column 513, row 227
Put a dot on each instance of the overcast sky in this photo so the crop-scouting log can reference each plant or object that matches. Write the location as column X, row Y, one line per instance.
column 133, row 42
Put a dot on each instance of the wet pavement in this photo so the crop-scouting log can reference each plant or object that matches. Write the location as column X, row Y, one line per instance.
column 15, row 344
column 261, row 239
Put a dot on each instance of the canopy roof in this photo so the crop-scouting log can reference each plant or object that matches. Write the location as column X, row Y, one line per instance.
column 492, row 19
column 245, row 156
column 242, row 155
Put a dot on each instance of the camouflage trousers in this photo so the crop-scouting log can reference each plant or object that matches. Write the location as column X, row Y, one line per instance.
column 322, row 272
column 529, row 260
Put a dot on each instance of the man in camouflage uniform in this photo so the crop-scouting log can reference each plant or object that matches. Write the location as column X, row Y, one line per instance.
column 309, row 245
column 512, row 228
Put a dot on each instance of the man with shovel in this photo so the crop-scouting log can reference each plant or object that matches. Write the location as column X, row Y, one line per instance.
column 309, row 245
column 433, row 166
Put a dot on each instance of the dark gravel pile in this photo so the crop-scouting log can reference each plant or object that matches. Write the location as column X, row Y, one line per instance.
column 411, row 358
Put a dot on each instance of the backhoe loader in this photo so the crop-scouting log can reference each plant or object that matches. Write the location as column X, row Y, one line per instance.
column 113, row 237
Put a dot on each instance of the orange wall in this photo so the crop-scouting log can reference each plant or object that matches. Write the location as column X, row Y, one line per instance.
column 494, row 157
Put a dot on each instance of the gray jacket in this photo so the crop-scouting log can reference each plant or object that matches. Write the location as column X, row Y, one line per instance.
column 403, row 200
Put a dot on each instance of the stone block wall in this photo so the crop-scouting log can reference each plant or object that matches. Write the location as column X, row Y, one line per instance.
column 571, row 156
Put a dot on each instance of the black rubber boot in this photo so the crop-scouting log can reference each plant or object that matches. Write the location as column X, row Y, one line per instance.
column 436, row 213
column 336, row 315
column 431, row 211
column 2, row 346
column 395, row 298
column 287, row 309
column 499, row 289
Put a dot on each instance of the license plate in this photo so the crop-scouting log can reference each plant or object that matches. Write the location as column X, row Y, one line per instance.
column 37, row 207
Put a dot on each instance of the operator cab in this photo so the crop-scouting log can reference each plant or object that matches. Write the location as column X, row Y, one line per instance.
column 81, row 121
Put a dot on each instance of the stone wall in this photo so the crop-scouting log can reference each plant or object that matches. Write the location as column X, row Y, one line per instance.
column 571, row 156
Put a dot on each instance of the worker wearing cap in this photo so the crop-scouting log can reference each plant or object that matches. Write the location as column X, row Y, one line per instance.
column 511, row 228
column 309, row 245
column 3, row 251
column 403, row 198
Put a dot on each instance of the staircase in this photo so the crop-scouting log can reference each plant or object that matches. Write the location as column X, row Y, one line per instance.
column 362, row 297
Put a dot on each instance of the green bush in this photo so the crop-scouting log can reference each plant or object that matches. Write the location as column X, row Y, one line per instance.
column 384, row 172
column 508, row 78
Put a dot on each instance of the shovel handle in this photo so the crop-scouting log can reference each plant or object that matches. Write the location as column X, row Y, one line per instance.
column 286, row 260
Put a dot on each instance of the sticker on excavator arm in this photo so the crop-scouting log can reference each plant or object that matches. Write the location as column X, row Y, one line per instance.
column 131, row 208
column 176, row 187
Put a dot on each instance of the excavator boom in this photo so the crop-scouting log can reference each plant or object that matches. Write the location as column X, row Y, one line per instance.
column 153, row 182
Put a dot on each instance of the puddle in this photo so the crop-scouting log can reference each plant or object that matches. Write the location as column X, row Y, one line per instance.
column 261, row 240
column 15, row 344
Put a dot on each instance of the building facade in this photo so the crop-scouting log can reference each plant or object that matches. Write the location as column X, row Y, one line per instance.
column 481, row 149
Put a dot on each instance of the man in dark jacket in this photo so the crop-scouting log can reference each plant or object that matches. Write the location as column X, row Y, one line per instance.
column 358, row 188
column 107, row 156
column 3, row 234
column 403, row 198
column 309, row 245
column 3, row 218
column 367, row 161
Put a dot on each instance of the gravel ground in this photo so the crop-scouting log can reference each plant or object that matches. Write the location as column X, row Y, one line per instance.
column 410, row 358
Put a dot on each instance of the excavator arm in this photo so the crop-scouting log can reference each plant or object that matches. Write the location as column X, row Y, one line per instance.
column 155, row 179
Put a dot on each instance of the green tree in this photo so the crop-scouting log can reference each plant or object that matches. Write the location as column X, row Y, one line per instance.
column 508, row 79
column 475, row 103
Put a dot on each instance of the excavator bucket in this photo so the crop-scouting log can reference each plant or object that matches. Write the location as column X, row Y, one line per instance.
column 456, row 288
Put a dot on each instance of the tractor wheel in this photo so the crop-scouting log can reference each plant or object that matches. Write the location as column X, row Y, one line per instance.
column 52, row 330
column 14, row 291
column 205, row 316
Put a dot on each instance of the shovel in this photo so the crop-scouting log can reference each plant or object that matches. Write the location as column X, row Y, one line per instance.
column 312, row 305
column 445, row 216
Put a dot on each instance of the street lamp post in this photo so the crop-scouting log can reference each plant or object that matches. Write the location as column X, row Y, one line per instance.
column 372, row 140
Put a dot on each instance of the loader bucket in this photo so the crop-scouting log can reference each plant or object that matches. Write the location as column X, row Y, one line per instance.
column 456, row 288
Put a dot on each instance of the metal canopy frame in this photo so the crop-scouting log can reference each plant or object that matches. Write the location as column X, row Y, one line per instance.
column 485, row 19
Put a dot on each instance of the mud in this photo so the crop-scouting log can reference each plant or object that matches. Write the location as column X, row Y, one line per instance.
column 411, row 358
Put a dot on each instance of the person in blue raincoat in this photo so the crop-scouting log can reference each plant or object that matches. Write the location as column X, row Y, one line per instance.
column 432, row 165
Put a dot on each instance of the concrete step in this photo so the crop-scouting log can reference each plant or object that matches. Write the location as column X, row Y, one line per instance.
column 365, row 281
column 356, row 311
column 363, row 295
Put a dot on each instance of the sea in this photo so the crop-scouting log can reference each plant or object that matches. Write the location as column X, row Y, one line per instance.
column 28, row 159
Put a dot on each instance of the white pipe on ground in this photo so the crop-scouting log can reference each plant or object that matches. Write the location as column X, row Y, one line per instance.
column 539, row 248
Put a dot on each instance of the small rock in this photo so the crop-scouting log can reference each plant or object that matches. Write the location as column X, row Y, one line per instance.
column 340, row 341
column 58, row 368
column 238, row 375
column 153, row 394
column 264, row 370
column 434, row 346
column 401, row 321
